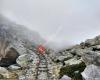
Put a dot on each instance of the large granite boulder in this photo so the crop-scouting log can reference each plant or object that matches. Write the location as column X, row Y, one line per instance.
column 91, row 72
column 27, row 60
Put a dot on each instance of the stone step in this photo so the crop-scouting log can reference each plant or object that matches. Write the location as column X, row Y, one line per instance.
column 42, row 69
column 43, row 61
column 42, row 65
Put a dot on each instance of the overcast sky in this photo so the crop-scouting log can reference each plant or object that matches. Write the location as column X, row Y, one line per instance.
column 59, row 21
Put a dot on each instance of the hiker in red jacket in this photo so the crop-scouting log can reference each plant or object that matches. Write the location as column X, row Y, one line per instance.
column 41, row 49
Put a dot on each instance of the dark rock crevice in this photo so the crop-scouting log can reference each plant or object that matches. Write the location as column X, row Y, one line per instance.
column 10, row 58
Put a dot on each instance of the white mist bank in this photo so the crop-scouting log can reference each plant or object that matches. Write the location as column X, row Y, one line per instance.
column 78, row 20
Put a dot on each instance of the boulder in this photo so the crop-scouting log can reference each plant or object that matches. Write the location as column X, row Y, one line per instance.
column 77, row 51
column 91, row 72
column 73, row 61
column 6, row 74
column 22, row 60
column 73, row 71
column 3, row 71
column 14, row 67
column 27, row 60
column 91, row 57
column 65, row 77
column 62, row 58
column 96, row 48
column 90, row 42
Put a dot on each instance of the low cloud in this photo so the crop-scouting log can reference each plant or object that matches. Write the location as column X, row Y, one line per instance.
column 79, row 19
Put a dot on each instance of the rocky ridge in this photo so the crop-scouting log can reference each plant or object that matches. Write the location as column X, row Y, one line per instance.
column 78, row 58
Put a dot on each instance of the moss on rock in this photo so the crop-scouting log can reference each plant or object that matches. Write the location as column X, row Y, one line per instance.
column 73, row 71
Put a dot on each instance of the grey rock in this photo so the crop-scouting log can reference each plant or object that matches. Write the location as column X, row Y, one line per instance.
column 97, row 39
column 23, row 60
column 91, row 57
column 3, row 71
column 94, row 41
column 73, row 61
column 7, row 74
column 90, row 42
column 27, row 60
column 14, row 67
column 22, row 77
column 64, row 56
column 91, row 72
column 96, row 48
column 65, row 77
column 77, row 51
column 30, row 75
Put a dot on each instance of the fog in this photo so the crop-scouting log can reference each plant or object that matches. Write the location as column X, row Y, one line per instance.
column 61, row 22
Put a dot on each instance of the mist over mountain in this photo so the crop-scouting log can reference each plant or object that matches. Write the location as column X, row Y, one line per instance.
column 78, row 20
column 19, row 31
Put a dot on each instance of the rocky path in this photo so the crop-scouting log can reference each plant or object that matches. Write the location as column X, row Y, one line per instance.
column 42, row 68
